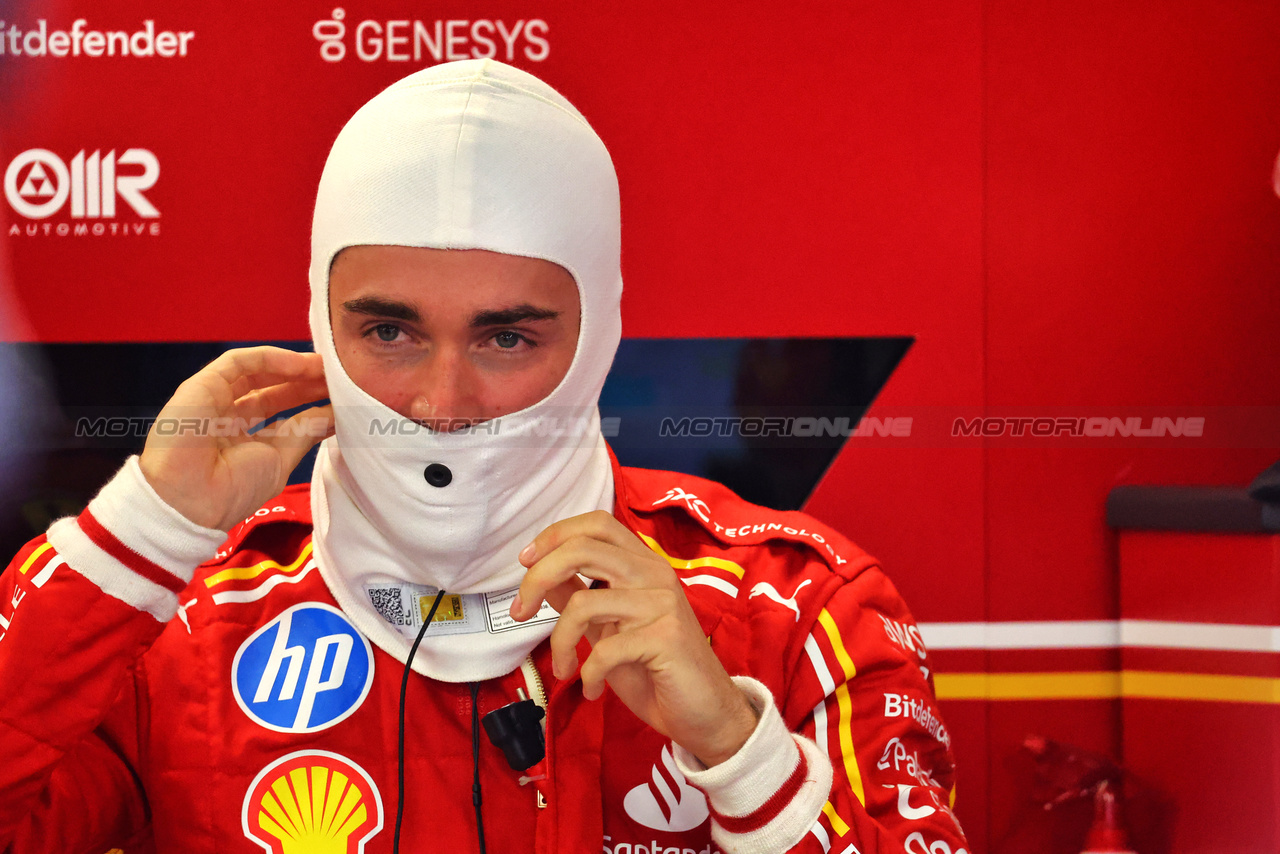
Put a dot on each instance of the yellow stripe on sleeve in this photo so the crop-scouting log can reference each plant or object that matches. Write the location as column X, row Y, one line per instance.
column 695, row 563
column 837, row 823
column 242, row 573
column 833, row 634
column 845, row 729
column 33, row 557
column 846, row 742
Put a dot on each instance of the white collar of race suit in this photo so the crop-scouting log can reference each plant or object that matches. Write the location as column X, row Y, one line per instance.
column 465, row 155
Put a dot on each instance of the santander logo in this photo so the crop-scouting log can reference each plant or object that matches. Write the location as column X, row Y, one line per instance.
column 668, row 802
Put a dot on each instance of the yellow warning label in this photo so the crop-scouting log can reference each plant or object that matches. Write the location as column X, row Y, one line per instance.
column 450, row 609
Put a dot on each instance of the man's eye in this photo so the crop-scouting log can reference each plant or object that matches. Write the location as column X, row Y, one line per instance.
column 386, row 332
column 506, row 340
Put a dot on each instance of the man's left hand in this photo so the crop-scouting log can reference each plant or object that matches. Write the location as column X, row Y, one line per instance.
column 646, row 642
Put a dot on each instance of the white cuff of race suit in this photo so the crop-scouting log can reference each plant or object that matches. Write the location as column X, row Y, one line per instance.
column 766, row 796
column 133, row 545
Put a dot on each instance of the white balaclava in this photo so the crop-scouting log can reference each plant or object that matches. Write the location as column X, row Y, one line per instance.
column 465, row 155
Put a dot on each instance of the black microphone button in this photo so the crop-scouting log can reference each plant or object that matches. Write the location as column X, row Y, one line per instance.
column 438, row 476
column 516, row 730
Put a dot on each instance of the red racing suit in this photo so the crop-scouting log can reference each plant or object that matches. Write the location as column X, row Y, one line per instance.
column 259, row 719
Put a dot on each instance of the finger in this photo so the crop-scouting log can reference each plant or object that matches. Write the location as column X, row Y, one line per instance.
column 262, row 403
column 580, row 556
column 628, row 609
column 294, row 436
column 213, row 390
column 640, row 647
column 187, row 420
column 598, row 525
column 244, row 369
column 558, row 597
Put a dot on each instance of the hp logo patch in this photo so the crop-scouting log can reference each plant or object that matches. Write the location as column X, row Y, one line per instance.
column 306, row 670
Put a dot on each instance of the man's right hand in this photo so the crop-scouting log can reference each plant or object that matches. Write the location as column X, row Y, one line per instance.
column 200, row 457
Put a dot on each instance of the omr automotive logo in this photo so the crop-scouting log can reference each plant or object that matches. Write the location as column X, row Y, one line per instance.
column 40, row 184
column 440, row 40
column 305, row 671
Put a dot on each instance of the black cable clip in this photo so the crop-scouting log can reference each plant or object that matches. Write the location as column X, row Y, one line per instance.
column 516, row 730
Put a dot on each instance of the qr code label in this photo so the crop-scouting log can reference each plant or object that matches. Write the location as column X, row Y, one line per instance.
column 387, row 602
column 406, row 606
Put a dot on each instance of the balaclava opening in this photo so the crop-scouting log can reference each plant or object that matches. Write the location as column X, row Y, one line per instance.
column 465, row 155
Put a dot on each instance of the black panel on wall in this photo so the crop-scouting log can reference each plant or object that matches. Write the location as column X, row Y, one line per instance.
column 766, row 417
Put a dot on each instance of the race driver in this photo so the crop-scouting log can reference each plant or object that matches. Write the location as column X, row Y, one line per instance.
column 200, row 662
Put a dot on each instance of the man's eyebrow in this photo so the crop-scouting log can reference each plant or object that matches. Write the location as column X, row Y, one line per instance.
column 511, row 316
column 381, row 307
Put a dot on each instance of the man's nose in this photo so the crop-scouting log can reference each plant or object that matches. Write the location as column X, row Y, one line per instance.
column 446, row 398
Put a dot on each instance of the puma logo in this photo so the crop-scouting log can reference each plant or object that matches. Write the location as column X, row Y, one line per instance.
column 764, row 588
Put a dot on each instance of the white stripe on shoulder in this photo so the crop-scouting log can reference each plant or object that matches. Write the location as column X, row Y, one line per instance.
column 255, row 593
column 819, row 666
column 823, row 673
column 711, row 581
column 46, row 572
column 820, row 833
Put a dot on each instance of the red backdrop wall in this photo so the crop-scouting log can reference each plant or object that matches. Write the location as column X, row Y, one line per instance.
column 1069, row 206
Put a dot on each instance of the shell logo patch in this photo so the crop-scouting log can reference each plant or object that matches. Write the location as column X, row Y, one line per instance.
column 312, row 802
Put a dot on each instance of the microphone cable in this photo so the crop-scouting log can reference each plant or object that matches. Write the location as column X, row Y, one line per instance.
column 404, row 687
column 475, row 758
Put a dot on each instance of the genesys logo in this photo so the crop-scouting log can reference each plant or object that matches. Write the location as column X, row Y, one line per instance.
column 39, row 184
column 439, row 40
column 312, row 800
column 304, row 671
column 79, row 40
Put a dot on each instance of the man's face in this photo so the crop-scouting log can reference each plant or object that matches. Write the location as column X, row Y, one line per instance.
column 452, row 337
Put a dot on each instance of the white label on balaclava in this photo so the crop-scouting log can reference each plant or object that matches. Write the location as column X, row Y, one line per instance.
column 406, row 607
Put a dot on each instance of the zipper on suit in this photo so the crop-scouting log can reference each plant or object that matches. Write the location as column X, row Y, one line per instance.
column 538, row 693
column 533, row 681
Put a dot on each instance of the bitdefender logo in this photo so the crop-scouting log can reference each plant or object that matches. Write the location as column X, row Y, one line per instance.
column 90, row 191
column 82, row 41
